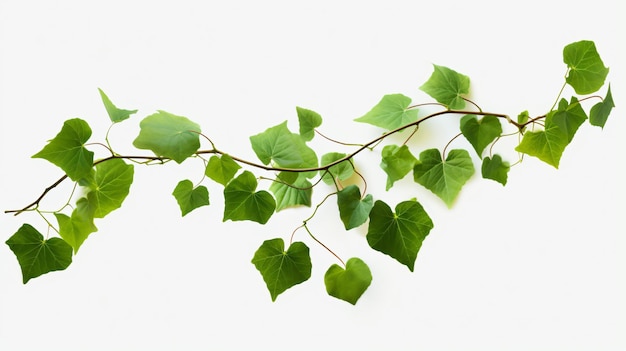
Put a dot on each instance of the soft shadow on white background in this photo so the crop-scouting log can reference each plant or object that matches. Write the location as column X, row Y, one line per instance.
column 536, row 265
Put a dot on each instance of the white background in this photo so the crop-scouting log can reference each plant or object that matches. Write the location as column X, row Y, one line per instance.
column 536, row 265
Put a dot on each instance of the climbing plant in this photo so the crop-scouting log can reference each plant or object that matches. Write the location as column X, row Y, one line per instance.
column 295, row 169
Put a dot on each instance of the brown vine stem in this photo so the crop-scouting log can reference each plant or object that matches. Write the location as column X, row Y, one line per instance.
column 367, row 145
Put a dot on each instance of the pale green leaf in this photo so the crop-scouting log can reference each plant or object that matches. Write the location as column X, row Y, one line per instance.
column 168, row 135
column 480, row 132
column 342, row 171
column 294, row 193
column 444, row 178
column 353, row 209
column 350, row 283
column 221, row 169
column 391, row 112
column 447, row 87
column 586, row 69
column 115, row 114
column 397, row 162
column 308, row 120
column 190, row 198
column 242, row 201
column 75, row 229
column 109, row 186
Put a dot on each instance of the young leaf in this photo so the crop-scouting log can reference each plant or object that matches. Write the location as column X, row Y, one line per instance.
column 109, row 186
column 480, row 133
column 353, row 210
column 309, row 120
column 397, row 162
column 341, row 171
column 37, row 256
column 168, row 135
column 294, row 193
column 446, row 86
column 444, row 178
column 569, row 117
column 586, row 69
column 221, row 169
column 399, row 234
column 241, row 202
column 67, row 149
column 600, row 112
column 390, row 113
column 115, row 114
column 495, row 169
column 350, row 283
column 282, row 269
column 190, row 198
column 75, row 229
column 284, row 148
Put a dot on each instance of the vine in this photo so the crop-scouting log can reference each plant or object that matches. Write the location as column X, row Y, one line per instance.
column 296, row 170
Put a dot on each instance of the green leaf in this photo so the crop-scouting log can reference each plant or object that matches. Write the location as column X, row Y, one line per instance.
column 480, row 133
column 67, row 149
column 397, row 162
column 353, row 210
column 444, row 178
column 282, row 269
column 447, row 87
column 75, row 229
column 586, row 69
column 399, row 234
column 600, row 112
column 168, row 135
column 241, row 202
column 569, row 117
column 115, row 114
column 391, row 112
column 309, row 120
column 221, row 169
column 350, row 283
column 37, row 256
column 286, row 149
column 190, row 198
column 292, row 193
column 109, row 186
column 495, row 169
column 341, row 171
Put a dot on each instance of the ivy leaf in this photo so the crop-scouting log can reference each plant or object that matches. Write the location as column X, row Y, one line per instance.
column 399, row 234
column 390, row 113
column 350, row 283
column 282, row 269
column 569, row 117
column 600, row 112
column 480, row 133
column 444, row 178
column 495, row 169
column 353, row 210
column 67, row 149
column 294, row 193
column 341, row 171
column 586, row 69
column 75, row 229
column 221, row 169
column 241, row 202
column 115, row 114
column 109, row 186
column 309, row 120
column 397, row 162
column 168, row 135
column 37, row 256
column 190, row 198
column 446, row 86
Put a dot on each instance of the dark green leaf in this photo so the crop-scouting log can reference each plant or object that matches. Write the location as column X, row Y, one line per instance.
column 67, row 149
column 480, row 133
column 241, row 202
column 190, row 198
column 353, row 210
column 341, row 171
column 600, row 112
column 586, row 69
column 115, row 114
column 294, row 193
column 36, row 255
column 221, row 169
column 399, row 234
column 168, row 135
column 444, row 178
column 495, row 169
column 397, row 162
column 75, row 229
column 447, row 87
column 390, row 113
column 309, row 120
column 350, row 283
column 109, row 186
column 282, row 269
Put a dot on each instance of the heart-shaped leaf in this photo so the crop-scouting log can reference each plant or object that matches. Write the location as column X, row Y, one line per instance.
column 309, row 120
column 480, row 133
column 242, row 201
column 342, row 171
column 190, row 198
column 586, row 69
column 221, row 169
column 75, row 229
column 447, row 87
column 391, row 112
column 289, row 194
column 397, row 162
column 350, row 283
column 353, row 209
column 496, row 169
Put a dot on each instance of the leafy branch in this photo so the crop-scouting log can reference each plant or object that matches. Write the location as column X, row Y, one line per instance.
column 297, row 170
